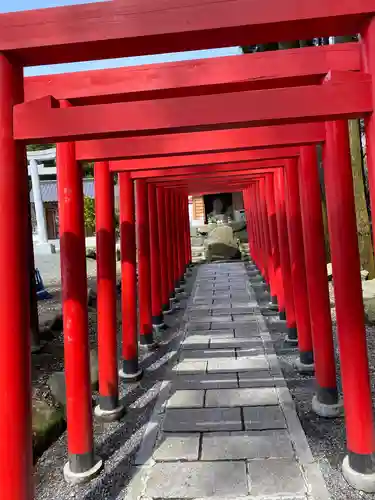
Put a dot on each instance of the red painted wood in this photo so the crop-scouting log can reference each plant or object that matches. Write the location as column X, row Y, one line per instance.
column 199, row 172
column 16, row 461
column 74, row 301
column 156, row 299
column 182, row 114
column 316, row 268
column 286, row 68
column 201, row 142
column 348, row 299
column 106, row 286
column 190, row 163
column 128, row 275
column 126, row 28
column 227, row 176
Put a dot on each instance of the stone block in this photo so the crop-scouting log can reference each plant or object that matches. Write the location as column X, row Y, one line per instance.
column 256, row 379
column 196, row 327
column 177, row 447
column 206, row 381
column 275, row 477
column 189, row 367
column 186, row 399
column 195, row 342
column 208, row 353
column 250, row 331
column 202, row 420
column 221, row 319
column 229, row 334
column 197, row 480
column 223, row 398
column 263, row 418
column 222, row 325
column 246, row 445
column 224, row 343
column 237, row 365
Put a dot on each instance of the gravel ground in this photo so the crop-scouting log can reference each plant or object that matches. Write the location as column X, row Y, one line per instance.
column 327, row 438
column 115, row 443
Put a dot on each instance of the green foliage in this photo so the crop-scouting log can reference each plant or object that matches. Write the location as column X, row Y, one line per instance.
column 40, row 147
column 88, row 169
column 89, row 212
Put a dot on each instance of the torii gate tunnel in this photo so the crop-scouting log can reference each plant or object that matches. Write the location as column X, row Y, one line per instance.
column 250, row 124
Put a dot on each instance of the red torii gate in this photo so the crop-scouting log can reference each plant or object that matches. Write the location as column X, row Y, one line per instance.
column 176, row 27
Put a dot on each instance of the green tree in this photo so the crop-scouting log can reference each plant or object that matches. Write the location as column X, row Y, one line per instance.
column 89, row 212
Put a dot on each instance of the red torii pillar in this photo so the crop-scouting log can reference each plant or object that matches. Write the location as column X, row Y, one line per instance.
column 298, row 268
column 130, row 370
column 144, row 279
column 358, row 466
column 282, row 230
column 16, row 463
column 164, row 274
column 325, row 401
column 156, row 299
column 82, row 464
column 169, row 244
column 108, row 408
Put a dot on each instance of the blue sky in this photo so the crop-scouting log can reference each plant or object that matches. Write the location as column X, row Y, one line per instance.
column 16, row 5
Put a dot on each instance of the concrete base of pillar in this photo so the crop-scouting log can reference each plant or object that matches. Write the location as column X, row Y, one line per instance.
column 44, row 248
column 327, row 411
column 82, row 477
column 282, row 315
column 303, row 367
column 292, row 337
column 159, row 328
column 131, row 377
column 358, row 480
column 109, row 415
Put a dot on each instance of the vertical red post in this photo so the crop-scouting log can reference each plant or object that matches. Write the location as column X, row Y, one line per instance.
column 156, row 304
column 325, row 402
column 144, row 267
column 82, row 463
column 16, row 466
column 254, row 223
column 169, row 240
column 297, row 258
column 261, row 235
column 277, row 292
column 282, row 231
column 358, row 466
column 180, row 239
column 160, row 199
column 175, row 239
column 130, row 370
column 108, row 408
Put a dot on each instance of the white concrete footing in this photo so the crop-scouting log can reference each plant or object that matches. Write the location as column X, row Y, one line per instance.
column 304, row 368
column 327, row 411
column 130, row 377
column 82, row 477
column 359, row 481
column 109, row 415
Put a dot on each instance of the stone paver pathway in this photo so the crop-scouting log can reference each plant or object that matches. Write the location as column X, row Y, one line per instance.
column 225, row 425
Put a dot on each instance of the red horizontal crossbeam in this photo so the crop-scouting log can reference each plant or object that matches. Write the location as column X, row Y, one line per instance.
column 187, row 114
column 196, row 172
column 188, row 179
column 183, row 145
column 126, row 28
column 306, row 66
column 147, row 166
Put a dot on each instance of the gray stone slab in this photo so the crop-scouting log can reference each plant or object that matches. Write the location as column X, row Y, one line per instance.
column 275, row 477
column 206, row 381
column 186, row 399
column 264, row 396
column 228, row 334
column 237, row 365
column 195, row 342
column 197, row 479
column 208, row 353
column 258, row 379
column 263, row 418
column 189, row 367
column 250, row 331
column 197, row 320
column 249, row 302
column 246, row 445
column 202, row 420
column 249, row 353
column 222, row 325
column 242, row 343
column 177, row 447
column 196, row 326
